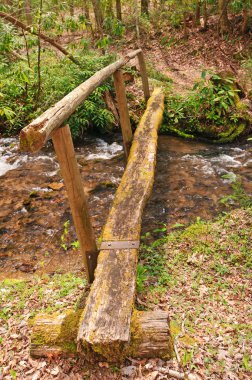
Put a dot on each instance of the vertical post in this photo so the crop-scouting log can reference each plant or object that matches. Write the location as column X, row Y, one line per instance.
column 144, row 75
column 123, row 111
column 63, row 145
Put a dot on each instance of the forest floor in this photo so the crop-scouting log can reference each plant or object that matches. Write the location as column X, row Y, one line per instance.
column 201, row 274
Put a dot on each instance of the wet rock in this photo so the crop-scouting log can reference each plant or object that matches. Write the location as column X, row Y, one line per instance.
column 25, row 267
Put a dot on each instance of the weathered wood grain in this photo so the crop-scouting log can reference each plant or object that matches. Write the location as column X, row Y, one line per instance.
column 63, row 145
column 144, row 75
column 34, row 136
column 105, row 323
column 123, row 111
column 56, row 335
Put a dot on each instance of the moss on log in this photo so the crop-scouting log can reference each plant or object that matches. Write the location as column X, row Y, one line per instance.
column 105, row 323
column 55, row 335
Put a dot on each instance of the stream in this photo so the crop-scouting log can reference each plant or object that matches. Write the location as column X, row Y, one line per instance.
column 191, row 179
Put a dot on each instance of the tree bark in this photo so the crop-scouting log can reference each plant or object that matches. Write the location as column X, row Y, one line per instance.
column 118, row 10
column 29, row 29
column 245, row 20
column 71, row 6
column 185, row 30
column 205, row 14
column 145, row 7
column 197, row 14
column 86, row 9
column 224, row 26
column 109, row 9
column 98, row 15
column 28, row 13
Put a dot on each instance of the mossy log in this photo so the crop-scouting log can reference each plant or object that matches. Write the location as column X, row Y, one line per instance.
column 105, row 323
column 55, row 335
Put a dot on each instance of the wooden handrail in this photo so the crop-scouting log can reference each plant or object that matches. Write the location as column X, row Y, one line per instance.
column 34, row 136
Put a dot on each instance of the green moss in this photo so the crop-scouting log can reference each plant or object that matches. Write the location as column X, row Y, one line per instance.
column 56, row 332
column 231, row 134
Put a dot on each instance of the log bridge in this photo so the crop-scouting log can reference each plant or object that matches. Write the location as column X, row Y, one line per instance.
column 108, row 325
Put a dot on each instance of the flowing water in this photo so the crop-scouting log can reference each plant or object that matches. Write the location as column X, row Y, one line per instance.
column 189, row 183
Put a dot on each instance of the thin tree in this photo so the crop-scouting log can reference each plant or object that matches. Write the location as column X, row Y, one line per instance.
column 28, row 12
column 98, row 15
column 118, row 10
column 224, row 26
column 145, row 7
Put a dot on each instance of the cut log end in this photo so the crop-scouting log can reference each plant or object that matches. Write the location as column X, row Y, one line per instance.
column 31, row 139
column 55, row 335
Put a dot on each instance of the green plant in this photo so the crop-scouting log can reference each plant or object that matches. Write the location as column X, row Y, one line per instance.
column 64, row 235
column 141, row 277
column 238, row 196
column 212, row 109
column 18, row 104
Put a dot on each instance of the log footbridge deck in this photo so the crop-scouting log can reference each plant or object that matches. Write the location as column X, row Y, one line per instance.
column 108, row 325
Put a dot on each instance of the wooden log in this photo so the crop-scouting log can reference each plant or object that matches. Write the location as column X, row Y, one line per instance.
column 123, row 111
column 56, row 335
column 34, row 136
column 105, row 323
column 144, row 75
column 63, row 145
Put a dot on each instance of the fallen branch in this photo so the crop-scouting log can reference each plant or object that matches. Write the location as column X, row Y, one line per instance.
column 30, row 29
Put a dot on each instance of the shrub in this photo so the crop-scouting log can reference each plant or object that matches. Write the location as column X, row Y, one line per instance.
column 19, row 102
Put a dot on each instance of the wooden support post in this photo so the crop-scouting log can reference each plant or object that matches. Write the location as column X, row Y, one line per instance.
column 63, row 145
column 144, row 75
column 123, row 111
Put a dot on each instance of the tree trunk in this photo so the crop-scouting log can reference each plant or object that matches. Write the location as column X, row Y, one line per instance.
column 86, row 9
column 71, row 8
column 98, row 15
column 184, row 25
column 145, row 7
column 205, row 15
column 245, row 20
column 224, row 25
column 197, row 14
column 119, row 10
column 28, row 14
column 109, row 9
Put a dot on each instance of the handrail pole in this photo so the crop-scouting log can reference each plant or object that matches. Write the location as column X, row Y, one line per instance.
column 123, row 111
column 34, row 136
column 63, row 145
column 143, row 72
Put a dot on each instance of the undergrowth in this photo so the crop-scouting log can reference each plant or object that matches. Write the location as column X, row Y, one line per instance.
column 20, row 98
column 213, row 110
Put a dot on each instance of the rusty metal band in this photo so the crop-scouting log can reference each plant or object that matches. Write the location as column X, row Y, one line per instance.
column 122, row 244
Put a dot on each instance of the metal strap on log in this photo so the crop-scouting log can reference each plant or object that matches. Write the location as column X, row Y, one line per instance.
column 105, row 323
